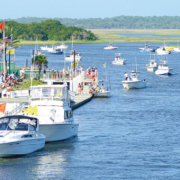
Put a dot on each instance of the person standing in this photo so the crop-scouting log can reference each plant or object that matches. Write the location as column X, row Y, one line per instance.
column 44, row 73
column 125, row 76
column 61, row 74
column 82, row 86
column 79, row 88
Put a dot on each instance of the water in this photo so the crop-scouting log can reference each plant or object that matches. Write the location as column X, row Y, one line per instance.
column 132, row 135
column 149, row 35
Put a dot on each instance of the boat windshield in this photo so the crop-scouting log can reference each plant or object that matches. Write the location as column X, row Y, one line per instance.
column 18, row 123
column 45, row 93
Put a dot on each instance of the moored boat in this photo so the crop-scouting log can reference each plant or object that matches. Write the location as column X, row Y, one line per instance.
column 19, row 135
column 152, row 66
column 163, row 69
column 119, row 59
column 110, row 47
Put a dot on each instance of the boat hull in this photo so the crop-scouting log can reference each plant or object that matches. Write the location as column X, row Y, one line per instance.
column 110, row 48
column 102, row 94
column 152, row 69
column 134, row 85
column 165, row 72
column 176, row 49
column 119, row 62
column 58, row 132
column 18, row 148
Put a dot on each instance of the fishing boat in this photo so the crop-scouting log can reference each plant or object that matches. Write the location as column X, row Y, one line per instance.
column 146, row 48
column 44, row 48
column 132, row 81
column 152, row 66
column 50, row 104
column 162, row 51
column 62, row 46
column 177, row 49
column 119, row 59
column 163, row 69
column 56, row 51
column 110, row 47
column 19, row 135
column 71, row 56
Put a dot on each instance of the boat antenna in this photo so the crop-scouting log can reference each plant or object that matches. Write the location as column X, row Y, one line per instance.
column 136, row 63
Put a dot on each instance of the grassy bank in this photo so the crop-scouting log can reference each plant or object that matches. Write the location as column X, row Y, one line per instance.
column 105, row 35
column 26, row 84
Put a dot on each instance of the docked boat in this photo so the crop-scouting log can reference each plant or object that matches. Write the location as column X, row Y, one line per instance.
column 132, row 81
column 146, row 48
column 62, row 46
column 44, row 48
column 19, row 135
column 162, row 51
column 152, row 66
column 110, row 47
column 50, row 104
column 163, row 69
column 119, row 59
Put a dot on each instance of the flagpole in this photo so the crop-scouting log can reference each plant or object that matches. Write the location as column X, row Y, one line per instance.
column 4, row 51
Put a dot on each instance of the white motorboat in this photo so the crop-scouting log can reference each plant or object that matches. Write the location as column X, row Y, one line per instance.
column 132, row 82
column 176, row 49
column 102, row 93
column 19, row 135
column 119, row 59
column 53, row 48
column 62, row 46
column 152, row 66
column 44, row 48
column 163, row 69
column 110, row 47
column 162, row 51
column 53, row 111
column 146, row 48
column 56, row 51
column 71, row 56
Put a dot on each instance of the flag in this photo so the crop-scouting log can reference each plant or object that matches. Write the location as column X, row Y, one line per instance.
column 1, row 35
column 31, row 110
column 2, row 26
column 76, row 64
column 104, row 64
column 2, row 109
column 7, row 39
column 11, row 51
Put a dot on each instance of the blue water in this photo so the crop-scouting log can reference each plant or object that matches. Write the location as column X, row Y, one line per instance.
column 133, row 135
column 148, row 35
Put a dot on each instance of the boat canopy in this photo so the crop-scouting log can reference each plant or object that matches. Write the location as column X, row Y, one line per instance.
column 18, row 122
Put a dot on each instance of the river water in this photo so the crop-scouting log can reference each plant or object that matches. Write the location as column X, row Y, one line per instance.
column 133, row 134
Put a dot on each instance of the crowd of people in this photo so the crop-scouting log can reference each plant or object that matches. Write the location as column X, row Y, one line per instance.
column 91, row 72
column 69, row 73
column 95, row 89
column 8, row 81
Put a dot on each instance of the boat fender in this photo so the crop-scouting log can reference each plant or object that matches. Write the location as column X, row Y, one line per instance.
column 169, row 52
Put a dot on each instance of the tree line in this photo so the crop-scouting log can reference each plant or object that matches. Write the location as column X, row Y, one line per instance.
column 119, row 22
column 46, row 30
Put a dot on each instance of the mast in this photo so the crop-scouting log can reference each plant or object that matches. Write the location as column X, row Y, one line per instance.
column 4, row 51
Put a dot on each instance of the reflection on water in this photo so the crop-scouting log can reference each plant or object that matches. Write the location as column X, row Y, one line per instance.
column 131, row 135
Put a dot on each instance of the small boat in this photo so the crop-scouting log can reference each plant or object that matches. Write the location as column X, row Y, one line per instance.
column 119, row 59
column 56, row 51
column 44, row 48
column 162, row 51
column 110, row 47
column 163, row 69
column 146, row 48
column 103, row 90
column 19, row 135
column 132, row 82
column 152, row 66
column 62, row 46
column 71, row 57
column 177, row 49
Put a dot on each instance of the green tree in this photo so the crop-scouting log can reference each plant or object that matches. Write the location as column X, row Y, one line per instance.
column 40, row 60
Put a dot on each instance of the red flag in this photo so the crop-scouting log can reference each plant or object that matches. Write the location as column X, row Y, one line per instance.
column 2, row 26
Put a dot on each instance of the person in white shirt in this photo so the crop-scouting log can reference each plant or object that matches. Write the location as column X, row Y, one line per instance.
column 126, row 76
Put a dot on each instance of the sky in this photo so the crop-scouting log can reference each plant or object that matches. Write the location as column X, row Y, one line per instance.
column 87, row 8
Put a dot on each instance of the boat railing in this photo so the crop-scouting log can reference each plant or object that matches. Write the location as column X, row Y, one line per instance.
column 16, row 110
